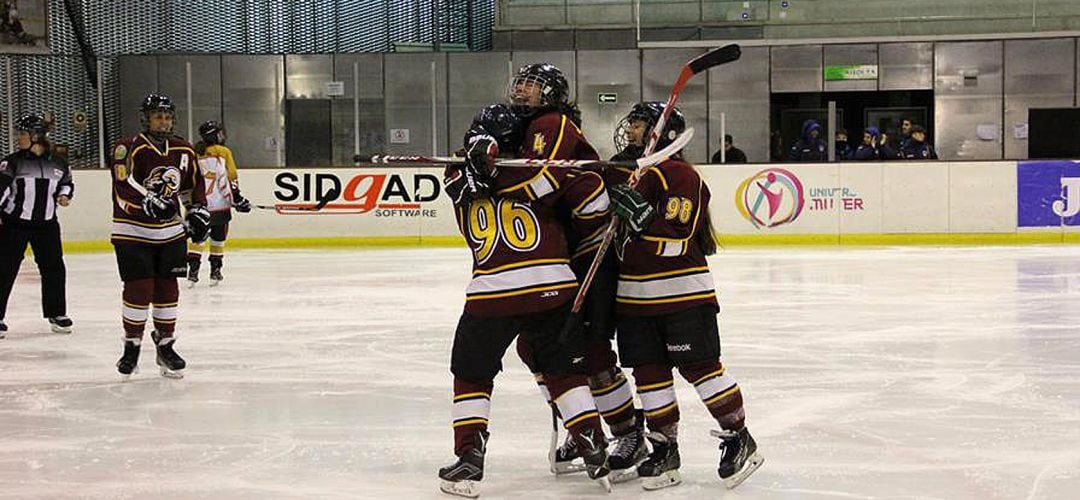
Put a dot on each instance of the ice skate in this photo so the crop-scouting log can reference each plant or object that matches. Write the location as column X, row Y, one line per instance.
column 3, row 329
column 629, row 451
column 661, row 469
column 215, row 274
column 171, row 364
column 193, row 272
column 567, row 458
column 60, row 324
column 738, row 456
column 129, row 361
column 462, row 478
column 595, row 457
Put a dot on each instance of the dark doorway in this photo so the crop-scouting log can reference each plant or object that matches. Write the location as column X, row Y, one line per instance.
column 855, row 111
column 308, row 140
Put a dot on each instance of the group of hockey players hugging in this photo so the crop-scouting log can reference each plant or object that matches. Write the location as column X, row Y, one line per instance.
column 154, row 174
column 533, row 233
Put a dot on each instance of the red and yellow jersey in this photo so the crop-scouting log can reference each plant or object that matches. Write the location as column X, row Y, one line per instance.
column 663, row 270
column 219, row 175
column 554, row 136
column 171, row 172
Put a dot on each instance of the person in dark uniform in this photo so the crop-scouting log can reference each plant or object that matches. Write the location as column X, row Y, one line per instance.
column 33, row 182
column 732, row 153
column 810, row 147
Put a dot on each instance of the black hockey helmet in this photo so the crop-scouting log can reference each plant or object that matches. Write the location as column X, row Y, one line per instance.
column 554, row 89
column 34, row 125
column 500, row 122
column 209, row 131
column 649, row 112
column 152, row 103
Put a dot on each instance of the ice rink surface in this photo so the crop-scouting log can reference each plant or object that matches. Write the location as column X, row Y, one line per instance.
column 938, row 373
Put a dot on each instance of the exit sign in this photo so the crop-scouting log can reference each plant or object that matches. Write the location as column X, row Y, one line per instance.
column 607, row 97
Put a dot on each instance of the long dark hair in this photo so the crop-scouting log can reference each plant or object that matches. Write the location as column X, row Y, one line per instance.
column 706, row 234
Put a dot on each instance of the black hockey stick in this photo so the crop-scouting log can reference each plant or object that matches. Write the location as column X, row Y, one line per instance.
column 715, row 57
column 327, row 197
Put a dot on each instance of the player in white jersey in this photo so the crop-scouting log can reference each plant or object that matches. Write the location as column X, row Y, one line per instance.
column 222, row 196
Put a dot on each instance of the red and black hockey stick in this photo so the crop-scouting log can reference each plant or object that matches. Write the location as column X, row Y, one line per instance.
column 285, row 208
column 715, row 57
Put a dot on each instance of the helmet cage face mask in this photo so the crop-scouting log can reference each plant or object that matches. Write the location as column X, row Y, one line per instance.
column 537, row 86
column 35, row 127
column 649, row 113
column 155, row 103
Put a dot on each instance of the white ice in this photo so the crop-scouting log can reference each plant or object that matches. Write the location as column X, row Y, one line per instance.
column 944, row 373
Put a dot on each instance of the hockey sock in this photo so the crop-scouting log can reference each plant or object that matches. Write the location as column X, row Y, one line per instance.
column 472, row 406
column 718, row 391
column 195, row 251
column 575, row 404
column 217, row 251
column 614, row 399
column 166, row 295
column 136, row 305
column 656, row 388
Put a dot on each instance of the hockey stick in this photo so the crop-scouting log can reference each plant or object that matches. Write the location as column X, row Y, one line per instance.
column 715, row 57
column 679, row 143
column 327, row 197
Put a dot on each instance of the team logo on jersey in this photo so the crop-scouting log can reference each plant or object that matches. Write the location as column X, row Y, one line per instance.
column 539, row 143
column 770, row 198
column 120, row 152
column 163, row 180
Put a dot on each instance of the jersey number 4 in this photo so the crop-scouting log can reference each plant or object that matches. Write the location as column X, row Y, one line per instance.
column 512, row 223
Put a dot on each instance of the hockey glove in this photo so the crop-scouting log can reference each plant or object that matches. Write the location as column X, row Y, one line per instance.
column 465, row 186
column 631, row 207
column 197, row 223
column 240, row 203
column 481, row 154
column 158, row 207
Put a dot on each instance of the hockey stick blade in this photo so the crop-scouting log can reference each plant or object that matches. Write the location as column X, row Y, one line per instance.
column 715, row 57
column 327, row 197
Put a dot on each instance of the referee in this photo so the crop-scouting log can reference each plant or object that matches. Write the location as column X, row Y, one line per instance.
column 32, row 183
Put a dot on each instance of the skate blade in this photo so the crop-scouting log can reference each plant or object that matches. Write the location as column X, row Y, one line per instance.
column 126, row 377
column 604, row 482
column 752, row 464
column 624, row 475
column 191, row 284
column 563, row 468
column 58, row 329
column 215, row 282
column 173, row 374
column 466, row 488
column 665, row 480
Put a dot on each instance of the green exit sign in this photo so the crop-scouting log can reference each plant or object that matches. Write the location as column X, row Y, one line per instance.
column 607, row 97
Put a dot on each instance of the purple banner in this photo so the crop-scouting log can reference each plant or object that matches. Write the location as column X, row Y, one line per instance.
column 1048, row 193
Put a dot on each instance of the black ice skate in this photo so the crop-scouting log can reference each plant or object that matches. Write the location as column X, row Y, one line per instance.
column 129, row 361
column 661, row 469
column 215, row 273
column 594, row 455
column 193, row 272
column 629, row 451
column 60, row 324
column 738, row 456
column 567, row 458
column 462, row 478
column 3, row 329
column 171, row 364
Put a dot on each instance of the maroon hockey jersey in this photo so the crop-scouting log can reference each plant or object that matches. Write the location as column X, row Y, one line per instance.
column 663, row 270
column 171, row 172
column 554, row 136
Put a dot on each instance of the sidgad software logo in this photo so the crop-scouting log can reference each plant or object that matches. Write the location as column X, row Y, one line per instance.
column 383, row 195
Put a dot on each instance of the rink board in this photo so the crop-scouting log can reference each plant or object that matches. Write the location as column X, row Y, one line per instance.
column 849, row 203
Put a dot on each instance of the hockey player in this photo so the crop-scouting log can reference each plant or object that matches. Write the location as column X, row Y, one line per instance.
column 151, row 172
column 521, row 287
column 540, row 93
column 222, row 196
column 667, row 307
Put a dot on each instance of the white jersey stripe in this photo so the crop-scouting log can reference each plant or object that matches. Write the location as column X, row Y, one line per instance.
column 667, row 287
column 524, row 277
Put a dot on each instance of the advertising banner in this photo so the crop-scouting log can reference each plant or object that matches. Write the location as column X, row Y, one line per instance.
column 1048, row 193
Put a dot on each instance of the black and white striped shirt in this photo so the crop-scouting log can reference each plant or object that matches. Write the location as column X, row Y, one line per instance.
column 30, row 185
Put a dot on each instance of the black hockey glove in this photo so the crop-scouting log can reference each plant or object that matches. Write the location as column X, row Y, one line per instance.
column 158, row 207
column 197, row 223
column 631, row 207
column 467, row 186
column 483, row 149
column 240, row 203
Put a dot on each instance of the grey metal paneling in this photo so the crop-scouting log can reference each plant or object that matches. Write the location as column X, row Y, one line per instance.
column 796, row 69
column 253, row 89
column 138, row 76
column 906, row 66
column 851, row 54
column 740, row 90
column 205, row 90
column 565, row 60
column 306, row 76
column 408, row 101
column 653, row 13
column 968, row 98
column 372, row 111
column 616, row 71
column 659, row 69
column 1038, row 74
column 475, row 80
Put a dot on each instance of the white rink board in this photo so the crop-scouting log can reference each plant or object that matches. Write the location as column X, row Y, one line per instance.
column 839, row 199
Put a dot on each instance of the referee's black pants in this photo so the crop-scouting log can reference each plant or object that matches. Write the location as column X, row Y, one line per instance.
column 44, row 239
